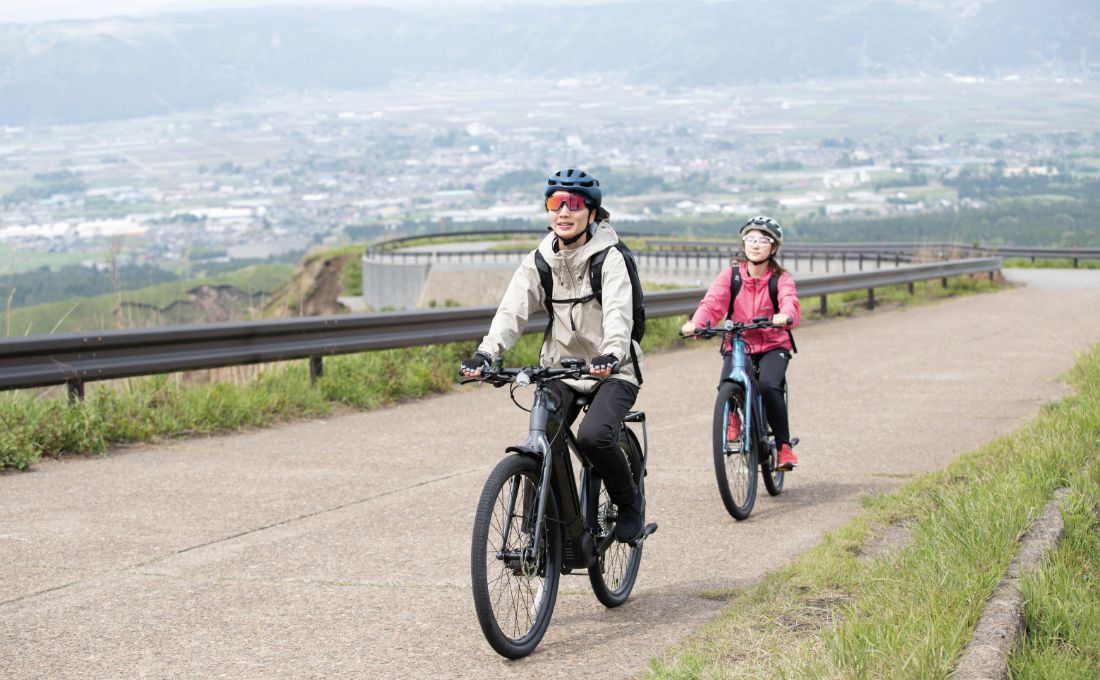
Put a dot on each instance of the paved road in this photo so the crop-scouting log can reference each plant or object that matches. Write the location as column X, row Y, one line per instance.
column 339, row 548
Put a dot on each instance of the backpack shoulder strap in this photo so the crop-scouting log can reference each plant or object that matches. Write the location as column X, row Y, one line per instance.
column 546, row 278
column 595, row 272
column 735, row 287
column 773, row 292
column 595, row 277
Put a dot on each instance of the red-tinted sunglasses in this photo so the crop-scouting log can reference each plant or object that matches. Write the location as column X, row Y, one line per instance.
column 573, row 201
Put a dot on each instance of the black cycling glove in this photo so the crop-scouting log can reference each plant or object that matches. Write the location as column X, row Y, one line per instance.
column 605, row 361
column 478, row 362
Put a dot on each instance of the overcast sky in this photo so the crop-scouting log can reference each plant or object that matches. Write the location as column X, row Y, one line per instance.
column 50, row 10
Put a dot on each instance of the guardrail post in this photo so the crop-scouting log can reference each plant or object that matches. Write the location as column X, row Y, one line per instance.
column 944, row 282
column 75, row 388
column 316, row 369
column 826, row 263
column 878, row 260
column 1075, row 263
column 861, row 261
column 824, row 305
column 897, row 259
column 844, row 263
column 870, row 298
column 912, row 288
column 811, row 262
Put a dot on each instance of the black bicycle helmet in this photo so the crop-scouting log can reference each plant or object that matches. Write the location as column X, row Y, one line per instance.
column 576, row 181
column 765, row 224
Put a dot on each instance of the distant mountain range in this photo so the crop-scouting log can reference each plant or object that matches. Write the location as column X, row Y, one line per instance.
column 77, row 71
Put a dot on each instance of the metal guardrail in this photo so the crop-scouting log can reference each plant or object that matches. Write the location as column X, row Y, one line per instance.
column 899, row 248
column 76, row 358
column 892, row 248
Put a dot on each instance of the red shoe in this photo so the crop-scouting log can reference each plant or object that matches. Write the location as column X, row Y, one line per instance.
column 733, row 429
column 787, row 460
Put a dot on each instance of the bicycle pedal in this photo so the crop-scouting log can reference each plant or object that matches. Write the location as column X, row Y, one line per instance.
column 646, row 532
column 794, row 442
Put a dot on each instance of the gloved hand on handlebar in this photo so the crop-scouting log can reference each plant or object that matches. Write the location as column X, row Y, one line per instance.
column 781, row 320
column 473, row 366
column 603, row 365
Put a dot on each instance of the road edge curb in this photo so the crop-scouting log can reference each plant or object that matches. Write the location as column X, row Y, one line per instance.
column 1001, row 625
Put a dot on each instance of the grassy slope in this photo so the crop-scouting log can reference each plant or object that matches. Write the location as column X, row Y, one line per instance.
column 97, row 313
column 909, row 613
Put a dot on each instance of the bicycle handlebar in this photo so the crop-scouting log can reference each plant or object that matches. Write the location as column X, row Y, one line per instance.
column 735, row 327
column 499, row 377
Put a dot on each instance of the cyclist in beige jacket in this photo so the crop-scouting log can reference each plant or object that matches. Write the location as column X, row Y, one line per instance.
column 596, row 328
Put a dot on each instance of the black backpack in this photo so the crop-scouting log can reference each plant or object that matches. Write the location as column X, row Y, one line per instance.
column 773, row 293
column 595, row 276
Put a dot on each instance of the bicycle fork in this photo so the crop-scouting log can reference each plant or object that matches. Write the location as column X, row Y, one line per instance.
column 538, row 445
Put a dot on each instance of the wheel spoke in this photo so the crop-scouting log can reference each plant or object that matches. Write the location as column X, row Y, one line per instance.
column 514, row 587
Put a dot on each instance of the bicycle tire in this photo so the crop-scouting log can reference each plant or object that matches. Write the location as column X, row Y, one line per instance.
column 615, row 572
column 773, row 478
column 513, row 598
column 735, row 463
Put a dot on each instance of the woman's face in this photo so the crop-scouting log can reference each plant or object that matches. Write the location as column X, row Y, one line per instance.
column 566, row 222
column 759, row 246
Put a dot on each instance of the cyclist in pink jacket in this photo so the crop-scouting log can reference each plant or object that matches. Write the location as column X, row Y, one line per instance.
column 769, row 348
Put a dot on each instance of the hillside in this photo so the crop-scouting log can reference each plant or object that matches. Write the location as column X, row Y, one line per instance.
column 230, row 297
column 76, row 71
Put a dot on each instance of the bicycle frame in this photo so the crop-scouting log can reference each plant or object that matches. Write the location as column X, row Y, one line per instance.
column 577, row 511
column 740, row 373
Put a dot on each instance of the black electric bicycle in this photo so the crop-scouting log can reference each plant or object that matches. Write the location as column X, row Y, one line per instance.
column 742, row 440
column 533, row 524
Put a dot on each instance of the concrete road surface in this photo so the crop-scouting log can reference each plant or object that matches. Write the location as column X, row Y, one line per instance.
column 340, row 548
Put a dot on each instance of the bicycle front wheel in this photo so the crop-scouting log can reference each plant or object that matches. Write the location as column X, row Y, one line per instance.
column 514, row 587
column 615, row 572
column 735, row 458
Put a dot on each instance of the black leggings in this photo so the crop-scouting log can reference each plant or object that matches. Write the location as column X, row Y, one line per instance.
column 598, row 434
column 771, row 375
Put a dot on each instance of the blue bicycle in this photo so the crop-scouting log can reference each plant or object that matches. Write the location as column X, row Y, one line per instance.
column 741, row 437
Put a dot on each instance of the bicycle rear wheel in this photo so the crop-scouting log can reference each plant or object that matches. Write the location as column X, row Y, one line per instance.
column 614, row 574
column 773, row 478
column 514, row 590
column 735, row 459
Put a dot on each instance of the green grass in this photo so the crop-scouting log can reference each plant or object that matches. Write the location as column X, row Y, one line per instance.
column 1062, row 601
column 37, row 423
column 908, row 613
column 924, row 292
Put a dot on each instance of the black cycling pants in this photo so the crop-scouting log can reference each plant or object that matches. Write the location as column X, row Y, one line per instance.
column 598, row 434
column 771, row 376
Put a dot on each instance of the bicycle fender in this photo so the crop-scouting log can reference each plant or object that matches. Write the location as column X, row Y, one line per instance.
column 526, row 450
column 533, row 446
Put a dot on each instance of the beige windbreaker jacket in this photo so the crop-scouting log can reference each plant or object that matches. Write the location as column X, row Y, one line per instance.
column 585, row 330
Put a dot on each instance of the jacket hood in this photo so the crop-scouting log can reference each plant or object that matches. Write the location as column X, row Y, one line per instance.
column 602, row 237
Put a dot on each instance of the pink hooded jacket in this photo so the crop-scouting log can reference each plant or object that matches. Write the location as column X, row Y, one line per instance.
column 751, row 302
